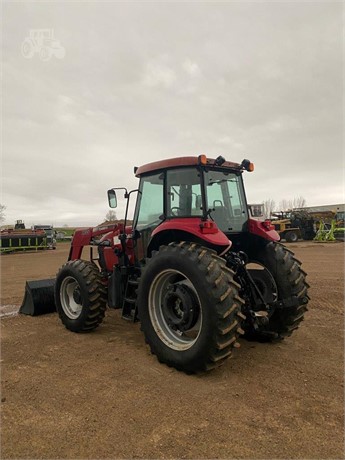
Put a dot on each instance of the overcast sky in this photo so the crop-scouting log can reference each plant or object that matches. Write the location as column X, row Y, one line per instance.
column 141, row 81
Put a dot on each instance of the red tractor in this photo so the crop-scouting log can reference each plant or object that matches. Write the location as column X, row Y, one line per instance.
column 194, row 268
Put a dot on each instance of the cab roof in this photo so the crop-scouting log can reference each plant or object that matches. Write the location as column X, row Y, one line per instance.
column 182, row 161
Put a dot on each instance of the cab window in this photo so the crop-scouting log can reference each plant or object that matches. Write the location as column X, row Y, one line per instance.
column 150, row 201
column 183, row 193
column 225, row 200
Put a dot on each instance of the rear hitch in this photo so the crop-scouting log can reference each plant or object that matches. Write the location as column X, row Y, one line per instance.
column 256, row 309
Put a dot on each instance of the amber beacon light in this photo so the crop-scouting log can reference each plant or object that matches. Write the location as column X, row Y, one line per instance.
column 247, row 165
column 202, row 159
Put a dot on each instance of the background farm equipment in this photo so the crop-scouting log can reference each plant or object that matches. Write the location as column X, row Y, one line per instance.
column 339, row 233
column 194, row 267
column 329, row 225
column 19, row 225
column 294, row 225
column 50, row 234
column 329, row 232
column 325, row 234
column 20, row 238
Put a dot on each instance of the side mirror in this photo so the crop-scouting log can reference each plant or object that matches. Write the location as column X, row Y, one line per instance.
column 112, row 200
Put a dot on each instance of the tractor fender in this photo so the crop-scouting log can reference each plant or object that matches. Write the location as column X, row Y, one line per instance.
column 264, row 229
column 189, row 229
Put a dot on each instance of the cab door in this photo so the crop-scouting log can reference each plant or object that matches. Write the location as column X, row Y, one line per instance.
column 149, row 212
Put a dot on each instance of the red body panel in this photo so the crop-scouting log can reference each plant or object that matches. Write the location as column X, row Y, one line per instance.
column 195, row 226
column 263, row 229
column 110, row 258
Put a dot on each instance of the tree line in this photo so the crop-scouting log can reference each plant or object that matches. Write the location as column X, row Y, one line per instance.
column 284, row 205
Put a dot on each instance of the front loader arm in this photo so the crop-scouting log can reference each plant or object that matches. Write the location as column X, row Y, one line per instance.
column 86, row 237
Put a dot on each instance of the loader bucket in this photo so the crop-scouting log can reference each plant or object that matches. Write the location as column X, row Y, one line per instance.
column 38, row 298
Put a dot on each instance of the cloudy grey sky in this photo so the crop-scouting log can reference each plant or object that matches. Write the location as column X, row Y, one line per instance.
column 141, row 81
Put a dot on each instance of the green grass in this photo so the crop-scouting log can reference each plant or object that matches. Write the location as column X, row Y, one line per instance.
column 67, row 230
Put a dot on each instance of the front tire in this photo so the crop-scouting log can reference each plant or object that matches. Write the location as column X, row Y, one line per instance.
column 80, row 296
column 189, row 307
column 291, row 285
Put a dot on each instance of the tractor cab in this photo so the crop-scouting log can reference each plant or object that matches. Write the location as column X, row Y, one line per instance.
column 189, row 198
column 193, row 191
column 193, row 199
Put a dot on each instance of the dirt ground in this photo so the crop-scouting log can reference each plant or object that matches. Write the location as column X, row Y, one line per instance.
column 104, row 396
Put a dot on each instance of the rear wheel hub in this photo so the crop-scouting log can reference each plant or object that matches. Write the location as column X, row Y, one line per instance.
column 180, row 307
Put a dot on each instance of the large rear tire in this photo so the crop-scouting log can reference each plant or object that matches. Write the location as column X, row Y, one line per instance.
column 189, row 307
column 80, row 296
column 291, row 285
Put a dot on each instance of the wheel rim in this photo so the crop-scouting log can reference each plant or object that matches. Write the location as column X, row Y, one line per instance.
column 175, row 310
column 70, row 297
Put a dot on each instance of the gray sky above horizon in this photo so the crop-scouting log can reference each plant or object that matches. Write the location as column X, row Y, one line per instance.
column 142, row 81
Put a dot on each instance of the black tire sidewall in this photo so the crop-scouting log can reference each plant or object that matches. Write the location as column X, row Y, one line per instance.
column 70, row 270
column 272, row 257
column 206, row 338
column 268, row 258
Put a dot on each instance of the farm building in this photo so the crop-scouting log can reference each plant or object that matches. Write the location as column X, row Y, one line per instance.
column 338, row 209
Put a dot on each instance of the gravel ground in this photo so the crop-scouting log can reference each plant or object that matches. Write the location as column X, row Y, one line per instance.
column 103, row 395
